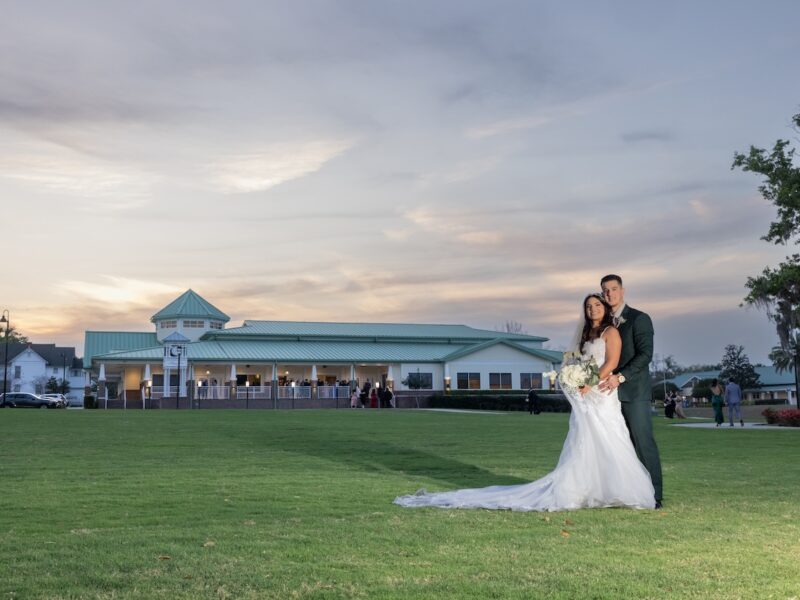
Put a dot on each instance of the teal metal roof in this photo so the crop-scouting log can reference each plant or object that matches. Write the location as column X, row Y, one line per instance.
column 102, row 342
column 549, row 355
column 192, row 306
column 294, row 351
column 407, row 331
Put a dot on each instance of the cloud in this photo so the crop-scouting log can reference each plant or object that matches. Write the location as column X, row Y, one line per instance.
column 452, row 225
column 270, row 166
column 507, row 126
column 700, row 208
column 122, row 291
column 102, row 185
column 647, row 136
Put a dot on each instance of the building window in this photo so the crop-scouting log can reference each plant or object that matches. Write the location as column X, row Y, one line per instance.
column 499, row 381
column 530, row 380
column 74, row 373
column 420, row 381
column 168, row 324
column 194, row 324
column 216, row 325
column 17, row 372
column 468, row 381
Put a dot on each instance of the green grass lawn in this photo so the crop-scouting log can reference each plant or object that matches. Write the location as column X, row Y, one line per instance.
column 262, row 504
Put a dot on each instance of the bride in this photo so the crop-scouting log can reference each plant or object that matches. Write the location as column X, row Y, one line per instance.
column 598, row 466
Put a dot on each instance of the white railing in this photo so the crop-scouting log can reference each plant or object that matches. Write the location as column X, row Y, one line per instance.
column 161, row 391
column 331, row 392
column 254, row 392
column 213, row 392
column 298, row 392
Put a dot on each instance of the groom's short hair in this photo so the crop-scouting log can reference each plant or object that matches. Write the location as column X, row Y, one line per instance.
column 611, row 277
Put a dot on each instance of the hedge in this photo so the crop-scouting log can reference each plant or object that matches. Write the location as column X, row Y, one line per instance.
column 787, row 418
column 548, row 402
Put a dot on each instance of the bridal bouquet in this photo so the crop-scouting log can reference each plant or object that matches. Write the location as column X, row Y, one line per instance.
column 579, row 373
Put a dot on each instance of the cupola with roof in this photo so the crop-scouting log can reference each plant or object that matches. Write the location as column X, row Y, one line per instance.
column 189, row 314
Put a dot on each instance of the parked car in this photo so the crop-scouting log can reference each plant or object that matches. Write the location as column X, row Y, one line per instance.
column 26, row 400
column 75, row 401
column 60, row 397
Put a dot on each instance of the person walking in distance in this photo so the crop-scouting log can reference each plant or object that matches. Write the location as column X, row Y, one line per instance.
column 733, row 398
column 533, row 402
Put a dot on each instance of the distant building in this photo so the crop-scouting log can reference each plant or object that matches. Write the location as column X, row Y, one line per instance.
column 779, row 387
column 30, row 366
column 193, row 358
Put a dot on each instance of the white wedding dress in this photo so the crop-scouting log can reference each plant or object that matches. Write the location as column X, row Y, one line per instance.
column 598, row 466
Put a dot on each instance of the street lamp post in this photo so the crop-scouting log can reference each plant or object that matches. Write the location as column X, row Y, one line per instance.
column 6, row 318
column 63, row 373
column 247, row 394
column 149, row 392
column 178, row 390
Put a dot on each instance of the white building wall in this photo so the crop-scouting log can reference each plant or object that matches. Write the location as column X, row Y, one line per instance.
column 498, row 359
column 193, row 333
column 436, row 369
column 33, row 369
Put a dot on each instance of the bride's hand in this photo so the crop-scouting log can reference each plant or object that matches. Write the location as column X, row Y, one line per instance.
column 606, row 386
column 584, row 389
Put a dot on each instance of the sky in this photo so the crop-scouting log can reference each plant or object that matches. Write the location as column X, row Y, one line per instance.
column 391, row 161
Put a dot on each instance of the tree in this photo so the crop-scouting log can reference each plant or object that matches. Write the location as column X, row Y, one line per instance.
column 51, row 387
column 665, row 367
column 658, row 390
column 512, row 326
column 778, row 290
column 14, row 337
column 702, row 389
column 736, row 367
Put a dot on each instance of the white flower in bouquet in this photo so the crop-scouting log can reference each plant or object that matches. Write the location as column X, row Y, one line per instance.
column 580, row 373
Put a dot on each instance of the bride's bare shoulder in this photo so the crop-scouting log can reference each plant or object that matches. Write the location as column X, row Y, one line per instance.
column 611, row 333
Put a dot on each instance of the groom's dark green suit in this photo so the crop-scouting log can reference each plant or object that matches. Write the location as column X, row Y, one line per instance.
column 636, row 331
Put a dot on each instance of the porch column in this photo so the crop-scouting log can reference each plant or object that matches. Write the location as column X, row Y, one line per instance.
column 447, row 380
column 102, row 391
column 87, row 384
column 232, row 382
column 314, row 391
column 165, row 395
column 274, row 383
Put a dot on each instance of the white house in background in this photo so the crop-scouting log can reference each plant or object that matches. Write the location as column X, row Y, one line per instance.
column 191, row 355
column 30, row 366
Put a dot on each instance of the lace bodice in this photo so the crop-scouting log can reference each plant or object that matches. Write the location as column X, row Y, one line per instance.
column 597, row 349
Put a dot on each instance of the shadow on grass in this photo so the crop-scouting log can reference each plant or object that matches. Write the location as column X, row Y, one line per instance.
column 379, row 457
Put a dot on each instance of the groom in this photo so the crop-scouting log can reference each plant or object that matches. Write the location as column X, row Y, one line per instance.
column 632, row 376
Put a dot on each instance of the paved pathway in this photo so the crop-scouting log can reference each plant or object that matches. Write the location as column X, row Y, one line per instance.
column 712, row 425
column 459, row 410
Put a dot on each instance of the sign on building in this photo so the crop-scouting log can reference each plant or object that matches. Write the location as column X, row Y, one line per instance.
column 174, row 356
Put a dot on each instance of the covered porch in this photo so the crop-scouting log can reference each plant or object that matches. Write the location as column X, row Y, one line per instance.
column 214, row 384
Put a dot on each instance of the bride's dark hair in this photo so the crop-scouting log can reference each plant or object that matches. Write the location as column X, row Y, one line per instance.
column 589, row 333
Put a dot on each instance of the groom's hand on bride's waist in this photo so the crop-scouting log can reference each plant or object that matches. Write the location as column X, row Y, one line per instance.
column 610, row 383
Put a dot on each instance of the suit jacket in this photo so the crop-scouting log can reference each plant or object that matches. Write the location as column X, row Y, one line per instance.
column 636, row 331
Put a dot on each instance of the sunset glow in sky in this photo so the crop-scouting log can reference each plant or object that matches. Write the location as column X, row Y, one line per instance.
column 436, row 162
